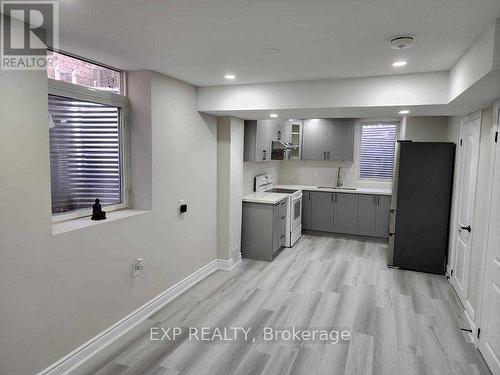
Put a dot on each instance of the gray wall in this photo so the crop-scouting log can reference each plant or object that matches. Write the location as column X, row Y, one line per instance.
column 57, row 291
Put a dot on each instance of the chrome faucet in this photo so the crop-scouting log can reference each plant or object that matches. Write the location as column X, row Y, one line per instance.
column 340, row 177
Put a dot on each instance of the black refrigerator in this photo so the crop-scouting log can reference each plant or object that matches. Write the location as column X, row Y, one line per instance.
column 420, row 206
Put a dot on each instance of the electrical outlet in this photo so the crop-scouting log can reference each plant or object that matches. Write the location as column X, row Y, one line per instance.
column 137, row 267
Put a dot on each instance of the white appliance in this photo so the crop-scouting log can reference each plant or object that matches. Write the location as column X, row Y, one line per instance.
column 264, row 183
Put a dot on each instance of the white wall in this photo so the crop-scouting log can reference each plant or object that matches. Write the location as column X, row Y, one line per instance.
column 250, row 170
column 477, row 62
column 409, row 89
column 230, row 133
column 426, row 129
column 57, row 291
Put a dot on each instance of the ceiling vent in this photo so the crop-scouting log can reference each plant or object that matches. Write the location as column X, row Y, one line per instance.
column 402, row 42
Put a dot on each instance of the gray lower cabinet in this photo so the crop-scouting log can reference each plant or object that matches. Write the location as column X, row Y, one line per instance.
column 346, row 213
column 306, row 210
column 322, row 211
column 373, row 215
column 263, row 230
column 383, row 215
column 367, row 213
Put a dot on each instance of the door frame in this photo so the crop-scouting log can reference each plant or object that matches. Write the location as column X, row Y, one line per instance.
column 491, row 176
column 457, row 196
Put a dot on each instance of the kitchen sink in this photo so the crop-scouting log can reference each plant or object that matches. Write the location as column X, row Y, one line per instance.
column 337, row 188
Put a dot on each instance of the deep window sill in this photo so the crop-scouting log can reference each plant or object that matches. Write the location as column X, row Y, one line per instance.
column 84, row 222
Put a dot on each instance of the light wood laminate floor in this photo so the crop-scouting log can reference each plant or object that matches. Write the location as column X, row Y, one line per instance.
column 401, row 322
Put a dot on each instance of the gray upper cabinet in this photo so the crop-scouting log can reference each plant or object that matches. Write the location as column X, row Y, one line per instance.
column 315, row 139
column 346, row 213
column 259, row 135
column 342, row 140
column 284, row 132
column 367, row 213
column 328, row 139
column 322, row 211
column 383, row 215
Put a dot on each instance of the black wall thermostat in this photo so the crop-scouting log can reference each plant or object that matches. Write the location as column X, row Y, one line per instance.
column 183, row 207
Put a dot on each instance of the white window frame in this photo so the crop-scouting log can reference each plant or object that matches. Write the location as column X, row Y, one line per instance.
column 72, row 91
column 359, row 138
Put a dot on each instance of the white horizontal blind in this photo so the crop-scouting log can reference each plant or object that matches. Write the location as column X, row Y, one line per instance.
column 377, row 150
column 84, row 154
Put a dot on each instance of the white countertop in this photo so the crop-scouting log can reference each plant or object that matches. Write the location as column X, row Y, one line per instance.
column 263, row 197
column 357, row 191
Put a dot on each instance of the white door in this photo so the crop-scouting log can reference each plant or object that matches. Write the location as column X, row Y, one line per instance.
column 489, row 341
column 468, row 158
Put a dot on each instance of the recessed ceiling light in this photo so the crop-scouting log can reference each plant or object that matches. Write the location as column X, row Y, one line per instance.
column 404, row 112
column 273, row 115
column 399, row 64
column 229, row 76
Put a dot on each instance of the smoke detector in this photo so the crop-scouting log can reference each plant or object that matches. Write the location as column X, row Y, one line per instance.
column 402, row 42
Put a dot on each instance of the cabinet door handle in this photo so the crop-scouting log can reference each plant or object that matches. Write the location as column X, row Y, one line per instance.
column 467, row 228
column 282, row 236
column 282, row 217
column 264, row 154
column 378, row 201
column 328, row 155
column 374, row 200
column 324, row 155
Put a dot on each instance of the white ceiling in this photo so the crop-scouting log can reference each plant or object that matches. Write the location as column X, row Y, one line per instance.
column 200, row 41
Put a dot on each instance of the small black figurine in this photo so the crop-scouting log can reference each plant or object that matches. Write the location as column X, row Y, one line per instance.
column 97, row 212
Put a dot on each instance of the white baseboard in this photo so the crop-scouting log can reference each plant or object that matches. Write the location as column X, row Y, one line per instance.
column 71, row 361
column 470, row 314
column 228, row 264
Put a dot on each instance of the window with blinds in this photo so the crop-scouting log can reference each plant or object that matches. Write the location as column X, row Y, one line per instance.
column 377, row 150
column 85, row 154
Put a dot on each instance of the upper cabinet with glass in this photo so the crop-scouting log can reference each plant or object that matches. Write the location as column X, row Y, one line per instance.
column 296, row 131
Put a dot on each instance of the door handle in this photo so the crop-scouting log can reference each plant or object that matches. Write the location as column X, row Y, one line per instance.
column 328, row 155
column 324, row 155
column 467, row 228
column 282, row 217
